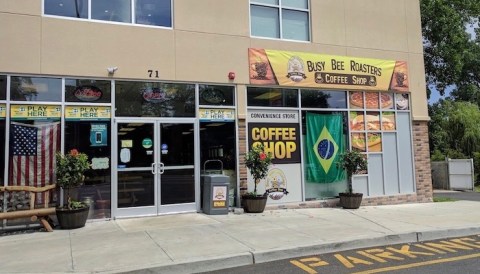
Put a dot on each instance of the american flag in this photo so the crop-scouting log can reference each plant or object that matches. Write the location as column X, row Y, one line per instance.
column 33, row 150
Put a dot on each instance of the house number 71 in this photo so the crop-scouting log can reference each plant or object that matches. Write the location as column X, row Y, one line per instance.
column 153, row 73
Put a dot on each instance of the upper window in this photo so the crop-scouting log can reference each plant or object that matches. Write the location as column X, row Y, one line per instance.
column 283, row 19
column 69, row 8
column 153, row 99
column 144, row 12
column 272, row 97
column 86, row 90
column 35, row 89
column 217, row 95
column 323, row 99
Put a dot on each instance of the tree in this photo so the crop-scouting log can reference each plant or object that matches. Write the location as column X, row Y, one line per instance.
column 454, row 128
column 452, row 57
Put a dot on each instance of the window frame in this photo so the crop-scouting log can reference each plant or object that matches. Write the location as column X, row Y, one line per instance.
column 132, row 19
column 280, row 9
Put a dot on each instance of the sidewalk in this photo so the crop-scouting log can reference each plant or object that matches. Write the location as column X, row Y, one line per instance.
column 190, row 243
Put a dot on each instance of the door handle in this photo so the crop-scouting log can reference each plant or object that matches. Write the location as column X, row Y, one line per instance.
column 153, row 168
column 162, row 168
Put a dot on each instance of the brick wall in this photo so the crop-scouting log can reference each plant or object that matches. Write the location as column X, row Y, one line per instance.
column 423, row 171
column 242, row 149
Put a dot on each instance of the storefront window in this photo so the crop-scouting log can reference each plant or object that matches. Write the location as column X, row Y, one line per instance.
column 218, row 151
column 323, row 131
column 93, row 138
column 89, row 91
column 107, row 10
column 323, row 99
column 69, row 8
column 153, row 99
column 33, row 144
column 217, row 95
column 2, row 146
column 3, row 87
column 272, row 97
column 35, row 89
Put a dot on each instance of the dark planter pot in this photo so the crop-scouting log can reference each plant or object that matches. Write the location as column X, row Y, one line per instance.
column 72, row 218
column 254, row 204
column 350, row 200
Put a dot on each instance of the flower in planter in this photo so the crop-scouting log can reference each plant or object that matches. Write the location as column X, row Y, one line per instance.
column 258, row 162
column 69, row 173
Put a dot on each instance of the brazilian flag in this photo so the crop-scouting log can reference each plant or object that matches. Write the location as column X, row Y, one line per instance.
column 324, row 145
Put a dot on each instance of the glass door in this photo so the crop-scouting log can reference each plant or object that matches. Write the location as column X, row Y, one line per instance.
column 155, row 167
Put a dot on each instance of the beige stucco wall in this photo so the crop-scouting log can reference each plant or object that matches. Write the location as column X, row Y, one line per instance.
column 210, row 38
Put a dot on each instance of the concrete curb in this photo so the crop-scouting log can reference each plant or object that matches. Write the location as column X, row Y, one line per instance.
column 202, row 265
column 256, row 257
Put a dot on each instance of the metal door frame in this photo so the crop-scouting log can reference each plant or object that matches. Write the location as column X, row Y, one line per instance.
column 157, row 208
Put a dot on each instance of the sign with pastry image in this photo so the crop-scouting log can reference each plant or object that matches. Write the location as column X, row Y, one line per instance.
column 358, row 142
column 373, row 100
column 401, row 101
column 388, row 120
column 373, row 141
column 358, row 121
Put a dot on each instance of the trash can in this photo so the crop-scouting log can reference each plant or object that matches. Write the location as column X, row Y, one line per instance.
column 215, row 194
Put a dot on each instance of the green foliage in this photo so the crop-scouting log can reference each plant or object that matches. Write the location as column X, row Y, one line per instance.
column 443, row 199
column 452, row 56
column 75, row 204
column 437, row 155
column 352, row 161
column 258, row 162
column 69, row 172
column 454, row 129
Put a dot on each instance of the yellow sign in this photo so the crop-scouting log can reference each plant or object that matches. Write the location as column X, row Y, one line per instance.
column 300, row 69
column 216, row 114
column 3, row 110
column 35, row 111
column 87, row 112
column 219, row 204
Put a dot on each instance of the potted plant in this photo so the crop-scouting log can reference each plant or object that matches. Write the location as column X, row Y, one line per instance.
column 69, row 173
column 352, row 162
column 257, row 162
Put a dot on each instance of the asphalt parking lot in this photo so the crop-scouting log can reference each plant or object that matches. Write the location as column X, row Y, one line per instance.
column 458, row 195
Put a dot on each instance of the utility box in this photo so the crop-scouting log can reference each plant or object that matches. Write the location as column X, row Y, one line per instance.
column 215, row 194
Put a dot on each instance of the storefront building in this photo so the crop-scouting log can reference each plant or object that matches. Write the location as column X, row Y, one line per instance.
column 159, row 93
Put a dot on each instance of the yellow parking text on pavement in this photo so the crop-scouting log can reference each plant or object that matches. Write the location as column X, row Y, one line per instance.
column 371, row 257
column 312, row 262
column 439, row 261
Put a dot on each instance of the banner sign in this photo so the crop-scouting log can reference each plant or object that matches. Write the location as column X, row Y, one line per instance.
column 324, row 145
column 3, row 111
column 87, row 113
column 217, row 114
column 300, row 69
column 35, row 112
column 281, row 140
column 273, row 116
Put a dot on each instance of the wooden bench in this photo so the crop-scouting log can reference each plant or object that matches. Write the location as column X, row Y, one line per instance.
column 35, row 214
